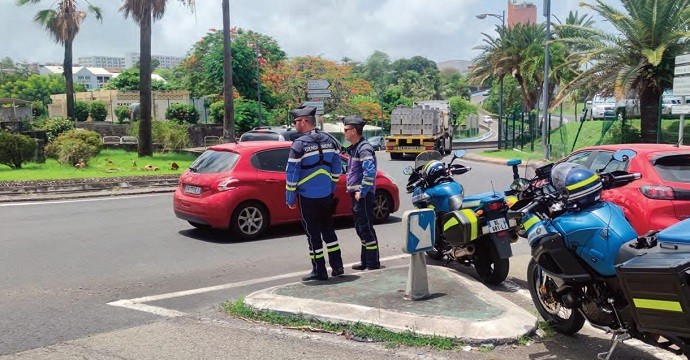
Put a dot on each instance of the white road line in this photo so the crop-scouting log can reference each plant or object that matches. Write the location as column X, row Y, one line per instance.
column 137, row 304
column 115, row 197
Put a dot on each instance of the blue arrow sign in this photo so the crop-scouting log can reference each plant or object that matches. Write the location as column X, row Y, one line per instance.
column 420, row 230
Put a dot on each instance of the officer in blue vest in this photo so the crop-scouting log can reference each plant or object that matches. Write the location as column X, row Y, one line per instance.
column 361, row 185
column 313, row 170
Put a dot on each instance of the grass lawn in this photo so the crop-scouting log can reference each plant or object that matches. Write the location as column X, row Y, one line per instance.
column 109, row 163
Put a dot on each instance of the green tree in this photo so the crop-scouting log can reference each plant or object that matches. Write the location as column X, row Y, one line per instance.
column 98, row 110
column 143, row 12
column 128, row 80
column 182, row 113
column 461, row 107
column 81, row 110
column 418, row 77
column 36, row 88
column 63, row 24
column 16, row 149
column 640, row 57
column 454, row 84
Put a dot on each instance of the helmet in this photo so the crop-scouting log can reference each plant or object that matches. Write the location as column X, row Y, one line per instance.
column 433, row 172
column 578, row 185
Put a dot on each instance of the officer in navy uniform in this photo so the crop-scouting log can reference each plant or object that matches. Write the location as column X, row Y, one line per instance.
column 313, row 170
column 361, row 185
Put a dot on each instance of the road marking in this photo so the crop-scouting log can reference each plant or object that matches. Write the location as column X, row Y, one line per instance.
column 138, row 303
column 115, row 197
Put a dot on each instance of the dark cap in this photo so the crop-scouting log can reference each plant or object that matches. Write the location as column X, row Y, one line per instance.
column 303, row 111
column 354, row 120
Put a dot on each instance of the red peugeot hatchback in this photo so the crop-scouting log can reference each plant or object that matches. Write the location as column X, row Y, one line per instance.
column 241, row 186
column 661, row 197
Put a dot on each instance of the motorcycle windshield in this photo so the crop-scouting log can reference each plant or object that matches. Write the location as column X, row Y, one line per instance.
column 425, row 157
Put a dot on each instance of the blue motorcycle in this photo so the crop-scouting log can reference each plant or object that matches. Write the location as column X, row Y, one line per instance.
column 472, row 230
column 589, row 264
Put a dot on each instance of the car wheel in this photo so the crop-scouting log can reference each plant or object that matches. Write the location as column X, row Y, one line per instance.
column 383, row 206
column 248, row 221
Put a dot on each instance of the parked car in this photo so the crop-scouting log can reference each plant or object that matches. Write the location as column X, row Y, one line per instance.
column 485, row 93
column 378, row 142
column 241, row 186
column 602, row 106
column 661, row 197
column 270, row 133
column 487, row 119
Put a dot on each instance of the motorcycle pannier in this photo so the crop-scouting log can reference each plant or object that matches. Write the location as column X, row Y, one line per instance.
column 656, row 285
column 460, row 227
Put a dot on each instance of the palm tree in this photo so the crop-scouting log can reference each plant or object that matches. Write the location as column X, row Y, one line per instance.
column 507, row 55
column 63, row 25
column 142, row 12
column 639, row 58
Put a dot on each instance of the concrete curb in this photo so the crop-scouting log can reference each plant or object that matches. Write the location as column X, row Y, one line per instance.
column 511, row 324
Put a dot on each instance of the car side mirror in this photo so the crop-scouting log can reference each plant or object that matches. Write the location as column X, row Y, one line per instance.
column 624, row 155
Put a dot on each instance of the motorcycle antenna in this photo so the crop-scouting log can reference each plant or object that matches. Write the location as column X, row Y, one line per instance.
column 492, row 188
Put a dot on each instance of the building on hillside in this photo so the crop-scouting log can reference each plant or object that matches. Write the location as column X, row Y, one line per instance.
column 521, row 13
column 154, row 77
column 92, row 77
column 106, row 62
column 168, row 62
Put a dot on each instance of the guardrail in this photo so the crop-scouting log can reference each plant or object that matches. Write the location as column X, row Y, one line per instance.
column 475, row 144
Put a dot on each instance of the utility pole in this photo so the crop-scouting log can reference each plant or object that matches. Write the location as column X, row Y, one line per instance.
column 229, row 118
column 547, row 60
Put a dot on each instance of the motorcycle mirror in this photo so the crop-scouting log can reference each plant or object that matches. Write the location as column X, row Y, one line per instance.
column 459, row 153
column 512, row 162
column 408, row 170
column 624, row 154
column 519, row 184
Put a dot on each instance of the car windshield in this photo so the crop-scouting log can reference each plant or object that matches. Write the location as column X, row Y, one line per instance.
column 257, row 136
column 674, row 168
column 213, row 161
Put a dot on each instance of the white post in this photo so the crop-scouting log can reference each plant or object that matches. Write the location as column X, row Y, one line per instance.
column 681, row 123
column 417, row 280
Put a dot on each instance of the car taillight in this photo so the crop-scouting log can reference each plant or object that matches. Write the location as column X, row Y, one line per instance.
column 658, row 192
column 227, row 184
column 430, row 147
column 495, row 206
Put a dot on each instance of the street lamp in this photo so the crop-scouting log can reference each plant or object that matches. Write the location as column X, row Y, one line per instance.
column 501, row 17
column 547, row 59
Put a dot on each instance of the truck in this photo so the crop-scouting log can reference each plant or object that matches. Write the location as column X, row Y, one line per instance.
column 425, row 126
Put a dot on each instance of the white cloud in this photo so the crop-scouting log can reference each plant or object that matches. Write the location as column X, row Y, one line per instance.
column 437, row 29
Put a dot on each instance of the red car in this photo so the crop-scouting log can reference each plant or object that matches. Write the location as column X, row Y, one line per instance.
column 661, row 197
column 241, row 186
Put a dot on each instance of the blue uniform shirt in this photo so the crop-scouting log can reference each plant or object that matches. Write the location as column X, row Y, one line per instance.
column 361, row 168
column 312, row 173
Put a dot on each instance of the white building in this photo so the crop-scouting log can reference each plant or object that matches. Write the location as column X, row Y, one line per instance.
column 91, row 77
column 168, row 62
column 108, row 62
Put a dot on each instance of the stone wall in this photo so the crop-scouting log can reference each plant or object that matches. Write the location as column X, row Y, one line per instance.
column 199, row 131
column 196, row 132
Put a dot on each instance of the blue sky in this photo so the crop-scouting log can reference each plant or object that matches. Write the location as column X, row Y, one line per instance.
column 437, row 29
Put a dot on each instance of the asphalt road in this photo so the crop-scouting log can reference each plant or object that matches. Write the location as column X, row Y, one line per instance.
column 61, row 263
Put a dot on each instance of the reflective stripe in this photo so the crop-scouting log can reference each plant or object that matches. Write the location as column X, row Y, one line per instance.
column 530, row 222
column 372, row 247
column 333, row 249
column 369, row 243
column 367, row 183
column 472, row 217
column 319, row 256
column 312, row 175
column 290, row 188
column 511, row 200
column 658, row 305
column 354, row 187
column 334, row 243
column 584, row 182
column 470, row 204
column 450, row 223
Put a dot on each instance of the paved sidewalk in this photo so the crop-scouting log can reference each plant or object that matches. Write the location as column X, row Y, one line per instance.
column 459, row 306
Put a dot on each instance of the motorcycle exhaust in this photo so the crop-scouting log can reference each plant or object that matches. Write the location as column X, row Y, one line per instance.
column 464, row 251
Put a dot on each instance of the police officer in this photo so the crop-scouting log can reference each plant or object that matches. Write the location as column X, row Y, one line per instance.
column 313, row 170
column 361, row 185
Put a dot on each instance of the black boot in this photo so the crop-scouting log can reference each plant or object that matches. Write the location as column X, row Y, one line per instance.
column 338, row 272
column 315, row 276
column 359, row 267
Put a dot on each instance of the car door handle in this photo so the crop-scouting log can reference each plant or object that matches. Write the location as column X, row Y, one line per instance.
column 272, row 181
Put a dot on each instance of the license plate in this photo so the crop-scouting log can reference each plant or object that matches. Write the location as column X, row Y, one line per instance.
column 189, row 189
column 409, row 148
column 497, row 225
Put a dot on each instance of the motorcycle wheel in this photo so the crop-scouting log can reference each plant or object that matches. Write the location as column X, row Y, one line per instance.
column 491, row 272
column 542, row 288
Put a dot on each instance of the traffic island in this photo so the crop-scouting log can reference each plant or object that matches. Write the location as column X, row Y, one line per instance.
column 457, row 307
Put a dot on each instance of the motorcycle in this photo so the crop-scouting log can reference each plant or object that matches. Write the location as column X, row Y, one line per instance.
column 588, row 264
column 473, row 230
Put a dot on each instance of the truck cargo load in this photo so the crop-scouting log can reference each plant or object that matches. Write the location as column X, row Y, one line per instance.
column 425, row 126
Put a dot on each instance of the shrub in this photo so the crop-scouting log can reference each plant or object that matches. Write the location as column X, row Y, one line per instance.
column 38, row 109
column 122, row 113
column 81, row 110
column 54, row 126
column 183, row 113
column 74, row 146
column 217, row 112
column 98, row 110
column 168, row 134
column 16, row 149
